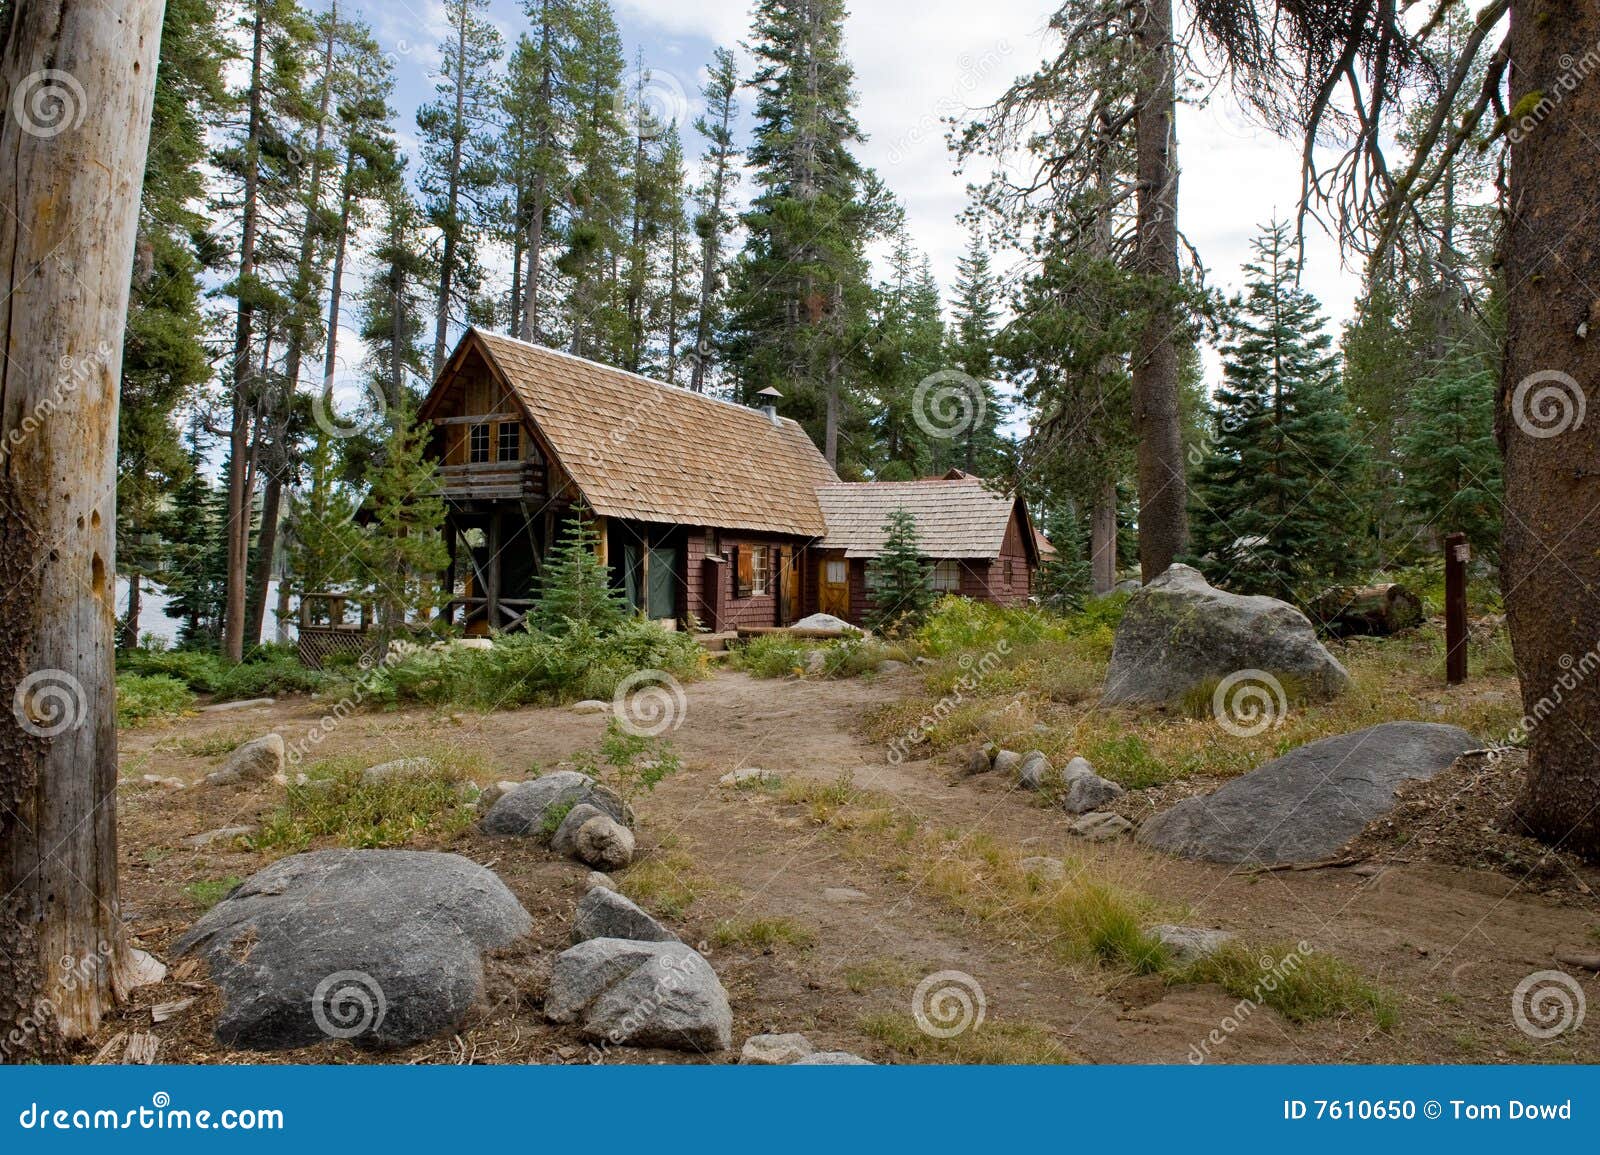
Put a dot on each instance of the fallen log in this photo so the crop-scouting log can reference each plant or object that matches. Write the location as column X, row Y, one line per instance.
column 1366, row 611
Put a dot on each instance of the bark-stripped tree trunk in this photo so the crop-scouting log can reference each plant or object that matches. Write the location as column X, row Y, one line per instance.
column 1163, row 486
column 77, row 79
column 240, row 491
column 1103, row 541
column 447, row 260
column 1549, row 423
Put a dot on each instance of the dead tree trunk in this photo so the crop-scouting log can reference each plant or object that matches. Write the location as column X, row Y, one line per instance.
column 76, row 86
column 1163, row 485
column 1549, row 423
column 1103, row 541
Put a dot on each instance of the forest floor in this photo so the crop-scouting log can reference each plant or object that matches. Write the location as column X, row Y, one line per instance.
column 824, row 902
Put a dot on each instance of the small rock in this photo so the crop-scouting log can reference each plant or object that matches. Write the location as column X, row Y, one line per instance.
column 520, row 812
column 604, row 843
column 604, row 913
column 591, row 707
column 473, row 644
column 843, row 894
column 816, row 662
column 225, row 834
column 400, row 768
column 890, row 666
column 256, row 761
column 642, row 994
column 1191, row 943
column 1089, row 792
column 775, row 1050
column 164, row 783
column 1079, row 767
column 750, row 778
column 825, row 622
column 228, row 707
column 595, row 878
column 1035, row 771
column 565, row 839
column 1007, row 762
column 833, row 1059
column 979, row 762
column 1102, row 826
column 1045, row 869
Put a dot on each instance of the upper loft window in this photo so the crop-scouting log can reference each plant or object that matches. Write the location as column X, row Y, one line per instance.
column 510, row 443
column 478, row 445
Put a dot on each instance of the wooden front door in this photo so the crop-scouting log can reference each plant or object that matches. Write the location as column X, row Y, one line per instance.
column 833, row 587
column 786, row 564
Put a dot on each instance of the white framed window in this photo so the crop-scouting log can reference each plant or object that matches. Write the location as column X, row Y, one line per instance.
column 760, row 570
column 946, row 577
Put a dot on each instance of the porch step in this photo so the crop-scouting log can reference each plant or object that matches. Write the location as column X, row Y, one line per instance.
column 717, row 643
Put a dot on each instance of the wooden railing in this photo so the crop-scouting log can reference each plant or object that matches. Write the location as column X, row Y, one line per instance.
column 493, row 481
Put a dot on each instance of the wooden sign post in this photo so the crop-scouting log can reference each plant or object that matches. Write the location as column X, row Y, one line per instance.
column 1457, row 553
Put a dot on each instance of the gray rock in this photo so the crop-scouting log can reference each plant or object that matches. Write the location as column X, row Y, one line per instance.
column 1304, row 806
column 641, row 994
column 1007, row 762
column 164, row 783
column 824, row 622
column 775, row 1050
column 833, row 1059
column 1130, row 586
column 381, row 947
column 520, row 812
column 256, row 761
column 1079, row 767
column 400, row 768
column 978, row 762
column 1089, row 792
column 603, row 843
column 1035, row 772
column 603, row 881
column 226, row 834
column 230, row 707
column 1044, row 869
column 591, row 707
column 1189, row 944
column 1179, row 632
column 750, row 778
column 565, row 840
column 1101, row 827
column 816, row 662
column 890, row 666
column 604, row 913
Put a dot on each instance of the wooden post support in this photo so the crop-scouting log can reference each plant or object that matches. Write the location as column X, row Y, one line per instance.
column 1457, row 553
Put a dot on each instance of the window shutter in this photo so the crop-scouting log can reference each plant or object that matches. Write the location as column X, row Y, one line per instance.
column 737, row 563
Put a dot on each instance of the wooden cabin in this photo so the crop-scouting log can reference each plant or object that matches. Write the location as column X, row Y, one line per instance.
column 708, row 512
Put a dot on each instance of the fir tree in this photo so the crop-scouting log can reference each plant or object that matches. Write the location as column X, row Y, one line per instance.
column 902, row 593
column 575, row 587
column 196, row 563
column 458, row 170
column 323, row 537
column 720, row 175
column 1274, row 511
column 1450, row 461
column 404, row 548
column 971, row 348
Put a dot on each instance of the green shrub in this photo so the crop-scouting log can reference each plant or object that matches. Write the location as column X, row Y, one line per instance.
column 1300, row 985
column 147, row 697
column 209, row 891
column 274, row 674
column 200, row 670
column 535, row 669
column 267, row 671
column 772, row 656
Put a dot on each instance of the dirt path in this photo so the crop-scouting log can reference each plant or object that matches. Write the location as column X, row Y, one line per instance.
column 1452, row 944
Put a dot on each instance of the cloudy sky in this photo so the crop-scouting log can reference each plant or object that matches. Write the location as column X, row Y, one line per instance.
column 916, row 62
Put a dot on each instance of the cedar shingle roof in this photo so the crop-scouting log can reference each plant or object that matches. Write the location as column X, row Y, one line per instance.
column 652, row 452
column 955, row 518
